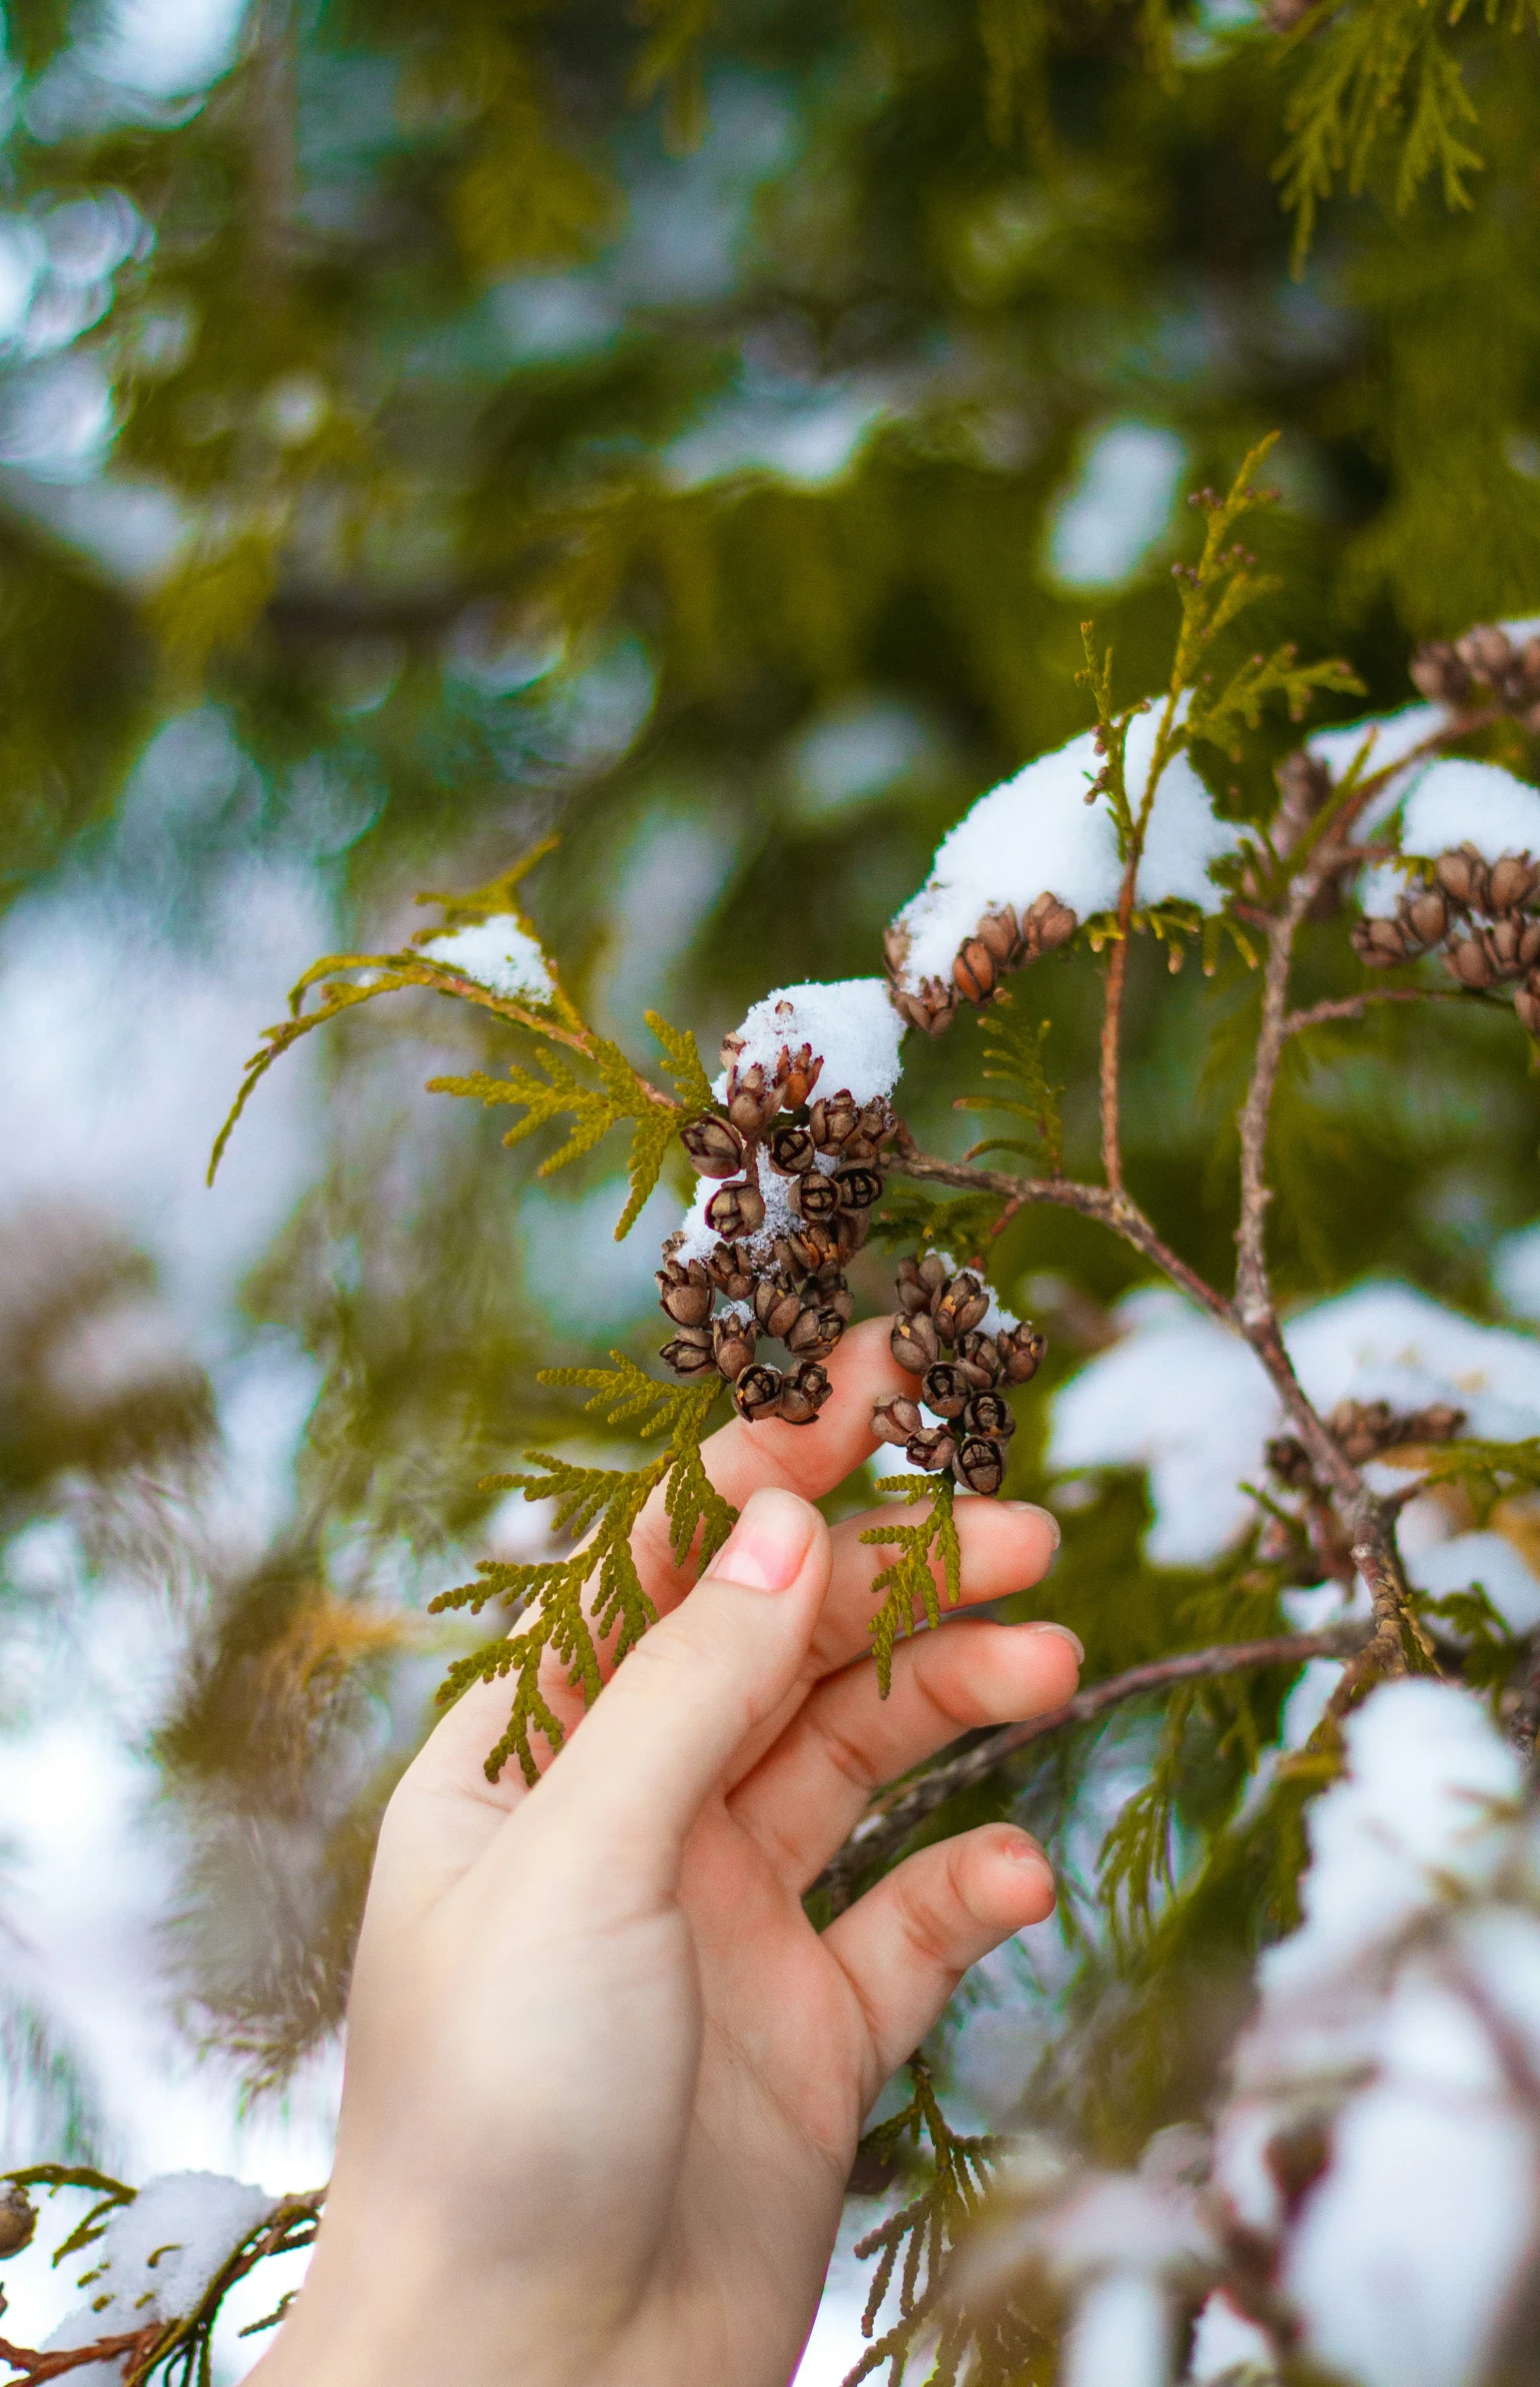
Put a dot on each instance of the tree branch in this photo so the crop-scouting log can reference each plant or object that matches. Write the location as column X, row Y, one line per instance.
column 1353, row 1006
column 1113, row 1211
column 889, row 1820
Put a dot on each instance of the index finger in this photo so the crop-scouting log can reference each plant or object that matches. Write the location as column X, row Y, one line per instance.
column 741, row 1459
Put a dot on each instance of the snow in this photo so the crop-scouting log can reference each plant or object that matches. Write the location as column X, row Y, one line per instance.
column 1037, row 834
column 1516, row 1273
column 1120, row 2334
column 849, row 1021
column 159, row 2254
column 1395, row 736
column 1471, row 803
column 1375, row 2020
column 1182, row 1396
column 499, row 954
column 1225, row 2341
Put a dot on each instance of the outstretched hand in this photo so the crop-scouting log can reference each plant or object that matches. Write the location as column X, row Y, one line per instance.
column 604, row 2081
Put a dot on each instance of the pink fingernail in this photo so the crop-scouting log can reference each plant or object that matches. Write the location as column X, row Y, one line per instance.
column 1030, row 1508
column 1073, row 1638
column 765, row 1550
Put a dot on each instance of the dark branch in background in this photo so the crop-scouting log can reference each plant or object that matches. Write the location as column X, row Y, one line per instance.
column 1353, row 1006
column 888, row 1823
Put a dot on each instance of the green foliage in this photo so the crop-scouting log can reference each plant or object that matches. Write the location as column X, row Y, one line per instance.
column 1016, row 1051
column 962, row 1226
column 1374, row 69
column 1489, row 1471
column 552, row 1087
column 561, row 1618
column 908, row 1585
column 923, row 2233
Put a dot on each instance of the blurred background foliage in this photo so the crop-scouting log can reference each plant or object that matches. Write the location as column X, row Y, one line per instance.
column 700, row 431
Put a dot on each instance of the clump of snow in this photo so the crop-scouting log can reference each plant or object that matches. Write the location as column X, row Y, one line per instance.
column 697, row 1240
column 158, row 2256
column 1516, row 1273
column 499, row 954
column 1181, row 1395
column 1035, row 834
column 1226, row 2343
column 1471, row 803
column 1390, row 2018
column 849, row 1021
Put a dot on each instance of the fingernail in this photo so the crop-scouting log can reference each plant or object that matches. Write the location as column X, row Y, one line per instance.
column 1030, row 1508
column 765, row 1550
column 1064, row 1634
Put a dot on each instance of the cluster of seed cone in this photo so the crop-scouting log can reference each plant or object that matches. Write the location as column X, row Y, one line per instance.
column 1002, row 941
column 1482, row 914
column 1361, row 1430
column 793, row 1290
column 1483, row 667
column 938, row 1336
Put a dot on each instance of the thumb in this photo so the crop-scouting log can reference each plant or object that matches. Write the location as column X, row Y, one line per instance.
column 663, row 1733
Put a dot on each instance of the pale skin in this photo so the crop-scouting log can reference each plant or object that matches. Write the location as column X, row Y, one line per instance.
column 604, row 2081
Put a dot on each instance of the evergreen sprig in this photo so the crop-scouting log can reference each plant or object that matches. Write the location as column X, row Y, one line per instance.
column 551, row 1088
column 909, row 1583
column 562, row 1614
column 1374, row 69
column 924, row 2232
column 1489, row 1471
column 1015, row 1047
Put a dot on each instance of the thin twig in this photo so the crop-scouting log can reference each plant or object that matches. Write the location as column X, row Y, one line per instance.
column 1113, row 1211
column 1353, row 1006
column 35, row 2366
column 890, row 1819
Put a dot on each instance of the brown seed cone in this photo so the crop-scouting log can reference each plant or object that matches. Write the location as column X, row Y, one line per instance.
column 1021, row 1352
column 732, row 1272
column 798, row 1074
column 1514, row 943
column 752, row 1099
column 979, row 1355
column 933, row 1272
column 915, row 1344
column 685, row 1291
column 809, row 1250
column 931, row 1448
column 777, row 1304
column 931, row 1008
column 1438, row 675
column 851, row 1230
column 1527, row 1002
column 732, row 1341
column 896, row 1418
column 1048, row 925
column 736, row 1210
column 691, row 1352
column 1000, row 932
column 1514, row 880
column 815, row 1197
column 832, row 1121
column 1380, row 944
column 858, row 1189
column 913, row 1295
column 757, row 1392
column 18, row 2220
column 803, row 1394
column 790, row 1151
column 843, row 1303
column 1289, row 1462
column 989, row 1415
column 961, row 1306
column 975, row 972
column 1467, row 960
column 980, row 1465
column 1486, row 651
column 945, row 1391
column 813, row 1333
column 714, row 1145
column 1463, row 875
column 1424, row 916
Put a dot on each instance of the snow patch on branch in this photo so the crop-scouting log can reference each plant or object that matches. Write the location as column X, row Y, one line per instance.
column 1471, row 803
column 1035, row 834
column 499, row 954
column 849, row 1021
column 158, row 2257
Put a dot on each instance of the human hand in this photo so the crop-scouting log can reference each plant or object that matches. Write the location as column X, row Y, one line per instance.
column 604, row 2081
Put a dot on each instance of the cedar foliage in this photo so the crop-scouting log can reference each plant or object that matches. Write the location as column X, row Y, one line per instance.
column 403, row 340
